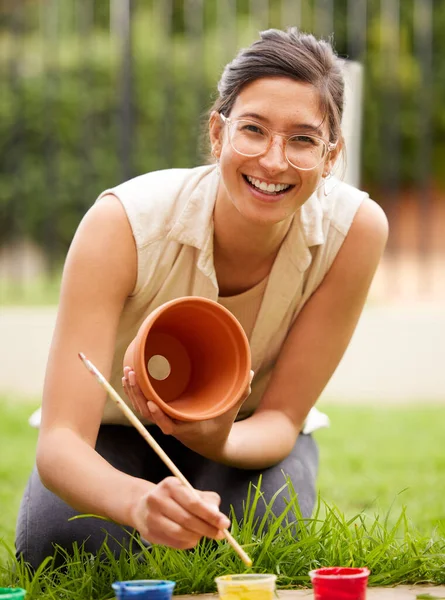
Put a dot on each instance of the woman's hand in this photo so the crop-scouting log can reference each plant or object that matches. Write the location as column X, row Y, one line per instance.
column 204, row 437
column 172, row 515
column 134, row 393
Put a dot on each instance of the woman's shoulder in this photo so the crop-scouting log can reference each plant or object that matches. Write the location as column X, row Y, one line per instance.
column 158, row 186
column 154, row 201
column 330, row 211
column 340, row 202
column 349, row 204
column 349, row 211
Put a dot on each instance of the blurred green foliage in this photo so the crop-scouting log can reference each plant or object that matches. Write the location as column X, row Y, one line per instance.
column 61, row 110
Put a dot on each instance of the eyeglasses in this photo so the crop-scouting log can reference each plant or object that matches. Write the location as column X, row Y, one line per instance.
column 249, row 138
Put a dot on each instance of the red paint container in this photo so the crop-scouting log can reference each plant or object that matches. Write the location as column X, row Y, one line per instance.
column 340, row 583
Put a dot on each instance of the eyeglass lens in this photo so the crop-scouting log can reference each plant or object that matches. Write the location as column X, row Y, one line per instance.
column 251, row 139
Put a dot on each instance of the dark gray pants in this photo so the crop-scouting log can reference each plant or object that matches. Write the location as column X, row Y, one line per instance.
column 43, row 516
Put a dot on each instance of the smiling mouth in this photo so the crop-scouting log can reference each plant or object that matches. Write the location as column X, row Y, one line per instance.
column 272, row 189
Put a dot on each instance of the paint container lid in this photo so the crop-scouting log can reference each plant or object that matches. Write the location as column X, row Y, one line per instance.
column 12, row 593
column 144, row 589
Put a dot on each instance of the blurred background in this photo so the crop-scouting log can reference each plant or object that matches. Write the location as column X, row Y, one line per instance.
column 96, row 92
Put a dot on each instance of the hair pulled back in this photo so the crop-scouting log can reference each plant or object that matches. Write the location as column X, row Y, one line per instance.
column 293, row 54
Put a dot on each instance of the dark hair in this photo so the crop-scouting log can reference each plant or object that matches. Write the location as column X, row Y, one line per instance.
column 291, row 54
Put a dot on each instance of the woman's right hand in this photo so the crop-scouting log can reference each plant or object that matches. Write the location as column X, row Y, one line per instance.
column 172, row 515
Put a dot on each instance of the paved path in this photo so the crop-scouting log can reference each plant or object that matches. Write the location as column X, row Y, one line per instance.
column 398, row 593
column 397, row 354
column 25, row 337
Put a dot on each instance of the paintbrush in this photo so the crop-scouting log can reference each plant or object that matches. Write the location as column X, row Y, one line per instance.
column 155, row 446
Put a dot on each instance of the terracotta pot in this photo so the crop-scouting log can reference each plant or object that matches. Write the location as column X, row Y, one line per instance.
column 192, row 357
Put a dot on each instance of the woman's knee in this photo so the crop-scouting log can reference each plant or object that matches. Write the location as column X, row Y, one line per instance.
column 293, row 481
column 45, row 523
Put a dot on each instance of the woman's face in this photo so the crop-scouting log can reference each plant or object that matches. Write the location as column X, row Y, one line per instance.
column 284, row 106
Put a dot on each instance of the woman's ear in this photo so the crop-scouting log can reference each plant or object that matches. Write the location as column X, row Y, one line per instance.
column 215, row 134
column 333, row 157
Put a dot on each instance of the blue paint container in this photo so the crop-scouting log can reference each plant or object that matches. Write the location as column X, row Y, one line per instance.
column 144, row 589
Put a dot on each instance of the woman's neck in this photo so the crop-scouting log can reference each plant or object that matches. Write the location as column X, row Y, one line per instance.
column 238, row 240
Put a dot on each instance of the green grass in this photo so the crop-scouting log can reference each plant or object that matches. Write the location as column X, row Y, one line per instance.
column 372, row 458
column 42, row 291
column 17, row 447
column 373, row 464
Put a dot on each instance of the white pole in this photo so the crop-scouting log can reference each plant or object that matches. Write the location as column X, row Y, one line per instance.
column 352, row 122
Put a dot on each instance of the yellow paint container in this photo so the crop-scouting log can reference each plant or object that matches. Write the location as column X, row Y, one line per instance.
column 250, row 586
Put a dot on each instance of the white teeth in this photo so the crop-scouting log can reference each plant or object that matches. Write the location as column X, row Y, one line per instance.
column 271, row 188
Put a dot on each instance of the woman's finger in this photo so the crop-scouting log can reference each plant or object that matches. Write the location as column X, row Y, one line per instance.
column 248, row 389
column 194, row 504
column 136, row 401
column 169, row 533
column 134, row 394
column 211, row 497
column 132, row 378
column 165, row 424
column 127, row 391
column 192, row 524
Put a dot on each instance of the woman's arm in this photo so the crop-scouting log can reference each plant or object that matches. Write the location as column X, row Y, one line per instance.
column 313, row 348
column 99, row 274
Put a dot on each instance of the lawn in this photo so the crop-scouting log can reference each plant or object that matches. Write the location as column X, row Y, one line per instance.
column 41, row 291
column 17, row 446
column 373, row 461
column 372, row 458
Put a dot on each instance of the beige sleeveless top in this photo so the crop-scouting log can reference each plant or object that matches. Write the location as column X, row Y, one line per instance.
column 245, row 306
column 171, row 216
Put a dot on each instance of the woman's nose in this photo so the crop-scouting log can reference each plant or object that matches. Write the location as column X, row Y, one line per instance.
column 274, row 160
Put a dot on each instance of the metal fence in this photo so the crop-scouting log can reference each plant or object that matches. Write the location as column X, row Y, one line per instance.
column 95, row 92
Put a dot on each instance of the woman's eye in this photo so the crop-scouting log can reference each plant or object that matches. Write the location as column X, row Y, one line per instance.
column 304, row 139
column 249, row 127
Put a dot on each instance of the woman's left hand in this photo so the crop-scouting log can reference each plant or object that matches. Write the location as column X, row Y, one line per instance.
column 204, row 437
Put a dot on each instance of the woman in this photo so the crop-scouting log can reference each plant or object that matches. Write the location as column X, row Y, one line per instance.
column 264, row 233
